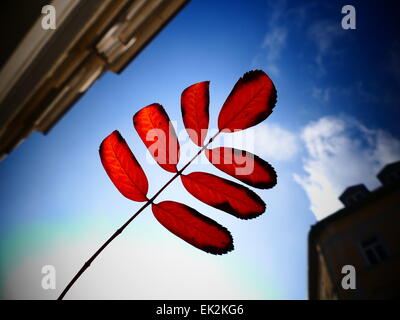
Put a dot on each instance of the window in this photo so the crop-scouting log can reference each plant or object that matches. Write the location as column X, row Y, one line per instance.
column 374, row 251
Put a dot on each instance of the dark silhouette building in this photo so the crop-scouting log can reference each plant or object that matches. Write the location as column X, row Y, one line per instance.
column 44, row 72
column 365, row 235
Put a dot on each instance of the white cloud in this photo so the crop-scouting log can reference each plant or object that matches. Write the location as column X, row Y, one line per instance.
column 324, row 33
column 321, row 94
column 274, row 40
column 269, row 141
column 342, row 152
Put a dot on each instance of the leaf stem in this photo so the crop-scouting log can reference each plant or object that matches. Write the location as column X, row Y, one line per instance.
column 119, row 230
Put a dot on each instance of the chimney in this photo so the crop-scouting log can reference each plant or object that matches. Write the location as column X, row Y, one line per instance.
column 390, row 174
column 354, row 194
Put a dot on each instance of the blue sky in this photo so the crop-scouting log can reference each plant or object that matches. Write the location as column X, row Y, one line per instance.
column 335, row 124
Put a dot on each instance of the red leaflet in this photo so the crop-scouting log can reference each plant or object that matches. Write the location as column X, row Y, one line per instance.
column 191, row 226
column 156, row 131
column 194, row 104
column 250, row 102
column 223, row 194
column 122, row 167
column 244, row 166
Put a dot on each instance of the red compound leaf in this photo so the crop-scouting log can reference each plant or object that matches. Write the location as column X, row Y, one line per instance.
column 156, row 131
column 223, row 194
column 195, row 101
column 122, row 167
column 250, row 102
column 191, row 226
column 243, row 166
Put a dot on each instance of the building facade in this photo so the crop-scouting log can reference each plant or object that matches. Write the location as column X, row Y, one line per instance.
column 365, row 235
column 43, row 72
